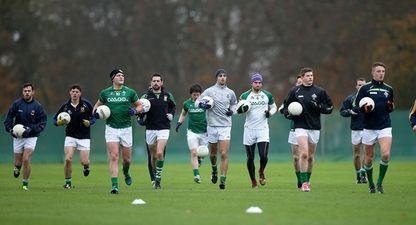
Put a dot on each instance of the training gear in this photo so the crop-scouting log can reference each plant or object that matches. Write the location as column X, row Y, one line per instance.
column 205, row 102
column 219, row 72
column 390, row 106
column 262, row 179
column 133, row 111
column 63, row 118
column 18, row 131
column 16, row 172
column 305, row 187
column 380, row 189
column 157, row 185
column 202, row 151
column 222, row 185
column 67, row 186
column 229, row 112
column 25, row 187
column 127, row 179
column 146, row 104
column 103, row 112
column 114, row 72
column 169, row 116
column 243, row 106
column 372, row 190
column 177, row 126
column 214, row 177
column 197, row 179
column 256, row 77
column 366, row 104
column 267, row 113
column 114, row 190
column 295, row 108
column 26, row 132
column 86, row 171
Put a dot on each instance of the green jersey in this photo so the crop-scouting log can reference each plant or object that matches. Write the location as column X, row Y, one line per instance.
column 197, row 122
column 119, row 102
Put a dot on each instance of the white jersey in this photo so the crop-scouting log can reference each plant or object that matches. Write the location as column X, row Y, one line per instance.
column 260, row 102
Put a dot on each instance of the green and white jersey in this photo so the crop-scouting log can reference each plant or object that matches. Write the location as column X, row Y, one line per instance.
column 256, row 117
column 197, row 121
column 119, row 102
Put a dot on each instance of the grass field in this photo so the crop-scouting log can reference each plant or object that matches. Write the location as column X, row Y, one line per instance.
column 334, row 199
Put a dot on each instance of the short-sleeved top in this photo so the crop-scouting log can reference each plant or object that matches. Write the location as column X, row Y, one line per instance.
column 119, row 102
column 255, row 117
column 197, row 121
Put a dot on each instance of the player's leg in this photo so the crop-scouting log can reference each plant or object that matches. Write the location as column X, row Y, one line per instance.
column 250, row 164
column 149, row 164
column 356, row 155
column 160, row 160
column 311, row 159
column 18, row 156
column 126, row 142
column 224, row 146
column 302, row 139
column 263, row 152
column 369, row 141
column 27, row 156
column 385, row 147
column 193, row 143
column 69, row 153
column 213, row 149
column 112, row 139
column 295, row 154
column 84, row 154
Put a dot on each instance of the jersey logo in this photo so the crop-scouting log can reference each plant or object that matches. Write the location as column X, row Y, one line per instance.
column 314, row 96
column 373, row 93
column 117, row 99
column 300, row 96
column 165, row 98
column 386, row 94
column 82, row 109
column 32, row 113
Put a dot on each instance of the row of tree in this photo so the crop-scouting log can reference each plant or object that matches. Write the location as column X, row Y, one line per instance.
column 57, row 43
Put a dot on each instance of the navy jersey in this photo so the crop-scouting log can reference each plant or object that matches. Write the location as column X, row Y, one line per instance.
column 381, row 93
column 83, row 111
column 314, row 101
column 345, row 111
column 161, row 104
column 30, row 114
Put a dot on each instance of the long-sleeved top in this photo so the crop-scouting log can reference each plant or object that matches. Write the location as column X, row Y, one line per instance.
column 224, row 100
column 75, row 128
column 30, row 114
column 381, row 93
column 345, row 111
column 161, row 104
column 314, row 101
column 412, row 115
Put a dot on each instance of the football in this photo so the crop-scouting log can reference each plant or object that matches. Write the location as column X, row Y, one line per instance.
column 64, row 116
column 103, row 112
column 18, row 130
column 207, row 99
column 367, row 100
column 295, row 108
column 146, row 104
column 243, row 106
column 202, row 151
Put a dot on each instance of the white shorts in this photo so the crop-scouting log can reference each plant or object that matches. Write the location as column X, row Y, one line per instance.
column 216, row 134
column 124, row 136
column 370, row 137
column 252, row 136
column 20, row 144
column 153, row 135
column 356, row 137
column 195, row 140
column 292, row 138
column 80, row 144
column 313, row 135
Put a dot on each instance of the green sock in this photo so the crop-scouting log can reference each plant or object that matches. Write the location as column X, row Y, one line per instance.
column 25, row 182
column 68, row 180
column 126, row 168
column 196, row 172
column 223, row 178
column 369, row 171
column 383, row 169
column 114, row 182
column 214, row 168
column 298, row 176
column 159, row 169
column 303, row 177
column 362, row 172
column 308, row 176
column 18, row 167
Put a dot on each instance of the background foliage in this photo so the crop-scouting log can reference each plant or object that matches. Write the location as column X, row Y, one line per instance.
column 57, row 43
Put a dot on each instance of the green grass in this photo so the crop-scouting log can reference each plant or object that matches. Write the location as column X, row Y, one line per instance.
column 334, row 199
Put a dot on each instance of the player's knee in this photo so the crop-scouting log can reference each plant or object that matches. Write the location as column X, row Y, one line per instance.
column 304, row 156
column 385, row 157
column 68, row 160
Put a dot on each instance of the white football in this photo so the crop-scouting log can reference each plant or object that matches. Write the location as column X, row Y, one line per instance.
column 146, row 104
column 202, row 151
column 367, row 100
column 243, row 106
column 295, row 108
column 64, row 116
column 103, row 112
column 18, row 130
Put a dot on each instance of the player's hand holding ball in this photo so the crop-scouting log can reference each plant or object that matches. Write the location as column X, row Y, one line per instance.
column 366, row 104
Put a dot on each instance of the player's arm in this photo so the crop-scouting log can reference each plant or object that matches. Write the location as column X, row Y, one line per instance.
column 345, row 109
column 98, row 103
column 171, row 105
column 412, row 117
column 326, row 106
column 40, row 122
column 8, row 122
column 55, row 117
